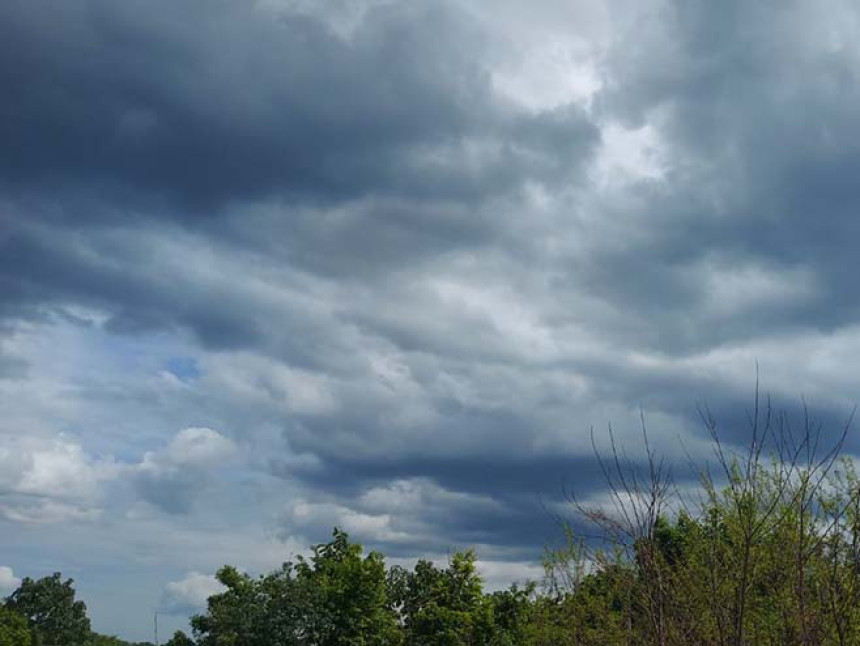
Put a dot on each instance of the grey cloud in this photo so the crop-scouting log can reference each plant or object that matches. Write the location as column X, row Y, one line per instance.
column 50, row 480
column 389, row 273
column 411, row 516
column 12, row 367
column 342, row 156
column 189, row 594
column 496, row 501
column 107, row 270
column 756, row 109
column 171, row 479
column 173, row 492
column 211, row 103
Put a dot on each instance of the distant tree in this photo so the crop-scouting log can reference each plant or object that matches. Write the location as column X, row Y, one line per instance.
column 512, row 612
column 767, row 553
column 49, row 605
column 338, row 597
column 547, row 624
column 14, row 630
column 348, row 596
column 446, row 607
column 239, row 616
column 97, row 639
column 180, row 639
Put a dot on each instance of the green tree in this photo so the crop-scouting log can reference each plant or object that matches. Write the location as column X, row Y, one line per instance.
column 348, row 596
column 447, row 607
column 50, row 606
column 338, row 597
column 237, row 616
column 512, row 612
column 180, row 639
column 14, row 630
column 97, row 639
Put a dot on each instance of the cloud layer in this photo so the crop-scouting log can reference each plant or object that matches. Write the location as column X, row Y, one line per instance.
column 268, row 267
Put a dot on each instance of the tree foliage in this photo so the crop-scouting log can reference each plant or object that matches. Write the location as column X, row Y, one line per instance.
column 337, row 597
column 53, row 613
column 180, row 639
column 14, row 629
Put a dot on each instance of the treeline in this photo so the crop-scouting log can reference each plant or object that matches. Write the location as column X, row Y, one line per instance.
column 764, row 551
column 45, row 612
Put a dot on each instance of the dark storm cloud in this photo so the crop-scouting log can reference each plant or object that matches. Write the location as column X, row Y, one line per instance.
column 346, row 157
column 757, row 106
column 204, row 104
column 46, row 266
column 379, row 148
column 305, row 198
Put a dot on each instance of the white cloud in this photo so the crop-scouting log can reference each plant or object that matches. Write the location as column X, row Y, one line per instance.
column 317, row 518
column 414, row 496
column 8, row 580
column 48, row 511
column 190, row 593
column 628, row 155
column 51, row 480
column 734, row 291
column 498, row 575
column 200, row 447
column 545, row 58
column 62, row 469
column 172, row 477
column 262, row 381
column 402, row 512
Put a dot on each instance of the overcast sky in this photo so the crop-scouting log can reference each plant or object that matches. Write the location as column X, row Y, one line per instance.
column 272, row 266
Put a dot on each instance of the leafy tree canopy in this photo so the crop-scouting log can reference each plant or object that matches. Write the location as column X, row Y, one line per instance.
column 14, row 629
column 50, row 606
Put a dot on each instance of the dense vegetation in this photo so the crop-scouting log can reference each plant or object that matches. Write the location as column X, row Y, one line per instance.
column 765, row 551
column 46, row 613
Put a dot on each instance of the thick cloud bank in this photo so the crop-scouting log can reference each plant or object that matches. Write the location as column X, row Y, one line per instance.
column 268, row 267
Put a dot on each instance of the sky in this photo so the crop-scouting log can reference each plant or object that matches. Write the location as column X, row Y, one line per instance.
column 269, row 267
